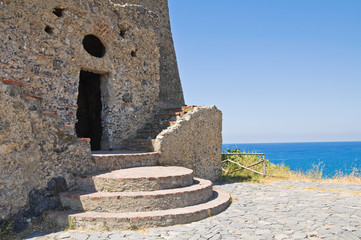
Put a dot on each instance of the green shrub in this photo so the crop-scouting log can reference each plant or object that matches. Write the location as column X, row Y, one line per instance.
column 247, row 160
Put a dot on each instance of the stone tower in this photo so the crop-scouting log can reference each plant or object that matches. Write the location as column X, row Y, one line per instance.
column 83, row 75
column 170, row 92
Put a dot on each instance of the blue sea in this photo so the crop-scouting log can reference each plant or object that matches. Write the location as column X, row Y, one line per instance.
column 333, row 156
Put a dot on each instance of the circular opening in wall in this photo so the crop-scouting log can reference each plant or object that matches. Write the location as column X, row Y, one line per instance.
column 94, row 46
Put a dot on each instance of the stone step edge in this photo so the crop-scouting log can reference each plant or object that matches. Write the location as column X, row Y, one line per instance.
column 138, row 201
column 185, row 172
column 125, row 154
column 201, row 184
column 134, row 220
column 135, row 179
column 109, row 162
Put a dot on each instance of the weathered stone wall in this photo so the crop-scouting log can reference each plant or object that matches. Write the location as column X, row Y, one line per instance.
column 45, row 52
column 170, row 92
column 33, row 150
column 195, row 142
column 41, row 58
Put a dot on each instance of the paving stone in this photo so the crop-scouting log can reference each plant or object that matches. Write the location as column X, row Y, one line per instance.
column 53, row 235
column 79, row 236
column 64, row 235
column 215, row 237
column 314, row 238
column 357, row 233
column 311, row 234
column 265, row 212
column 106, row 234
column 335, row 230
column 349, row 236
column 263, row 223
column 299, row 235
column 116, row 236
column 281, row 236
column 95, row 237
column 262, row 231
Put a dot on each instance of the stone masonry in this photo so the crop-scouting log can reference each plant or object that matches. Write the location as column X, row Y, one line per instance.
column 43, row 51
column 194, row 141
column 170, row 92
column 79, row 76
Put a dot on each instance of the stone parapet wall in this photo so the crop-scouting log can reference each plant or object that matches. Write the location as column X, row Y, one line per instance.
column 194, row 141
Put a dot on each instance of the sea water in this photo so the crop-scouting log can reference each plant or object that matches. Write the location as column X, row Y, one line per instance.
column 332, row 156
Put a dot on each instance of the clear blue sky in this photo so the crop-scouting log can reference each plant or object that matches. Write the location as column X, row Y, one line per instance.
column 280, row 70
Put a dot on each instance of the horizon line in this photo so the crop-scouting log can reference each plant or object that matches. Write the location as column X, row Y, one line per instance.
column 293, row 142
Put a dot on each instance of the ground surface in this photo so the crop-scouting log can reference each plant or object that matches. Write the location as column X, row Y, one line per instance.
column 280, row 210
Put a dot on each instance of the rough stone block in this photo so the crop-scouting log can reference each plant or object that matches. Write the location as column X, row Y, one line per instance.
column 194, row 141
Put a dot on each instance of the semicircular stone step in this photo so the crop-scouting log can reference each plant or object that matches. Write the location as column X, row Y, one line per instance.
column 134, row 220
column 112, row 160
column 137, row 179
column 200, row 192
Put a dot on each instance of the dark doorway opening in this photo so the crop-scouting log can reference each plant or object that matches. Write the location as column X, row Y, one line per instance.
column 89, row 109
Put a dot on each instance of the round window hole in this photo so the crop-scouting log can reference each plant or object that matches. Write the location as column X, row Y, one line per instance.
column 94, row 46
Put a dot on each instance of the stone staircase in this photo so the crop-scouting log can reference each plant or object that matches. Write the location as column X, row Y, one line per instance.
column 145, row 137
column 131, row 191
column 138, row 197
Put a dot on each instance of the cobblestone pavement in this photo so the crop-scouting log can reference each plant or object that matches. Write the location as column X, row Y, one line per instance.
column 281, row 210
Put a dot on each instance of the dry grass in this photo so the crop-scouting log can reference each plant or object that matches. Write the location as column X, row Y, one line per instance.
column 353, row 178
column 280, row 172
